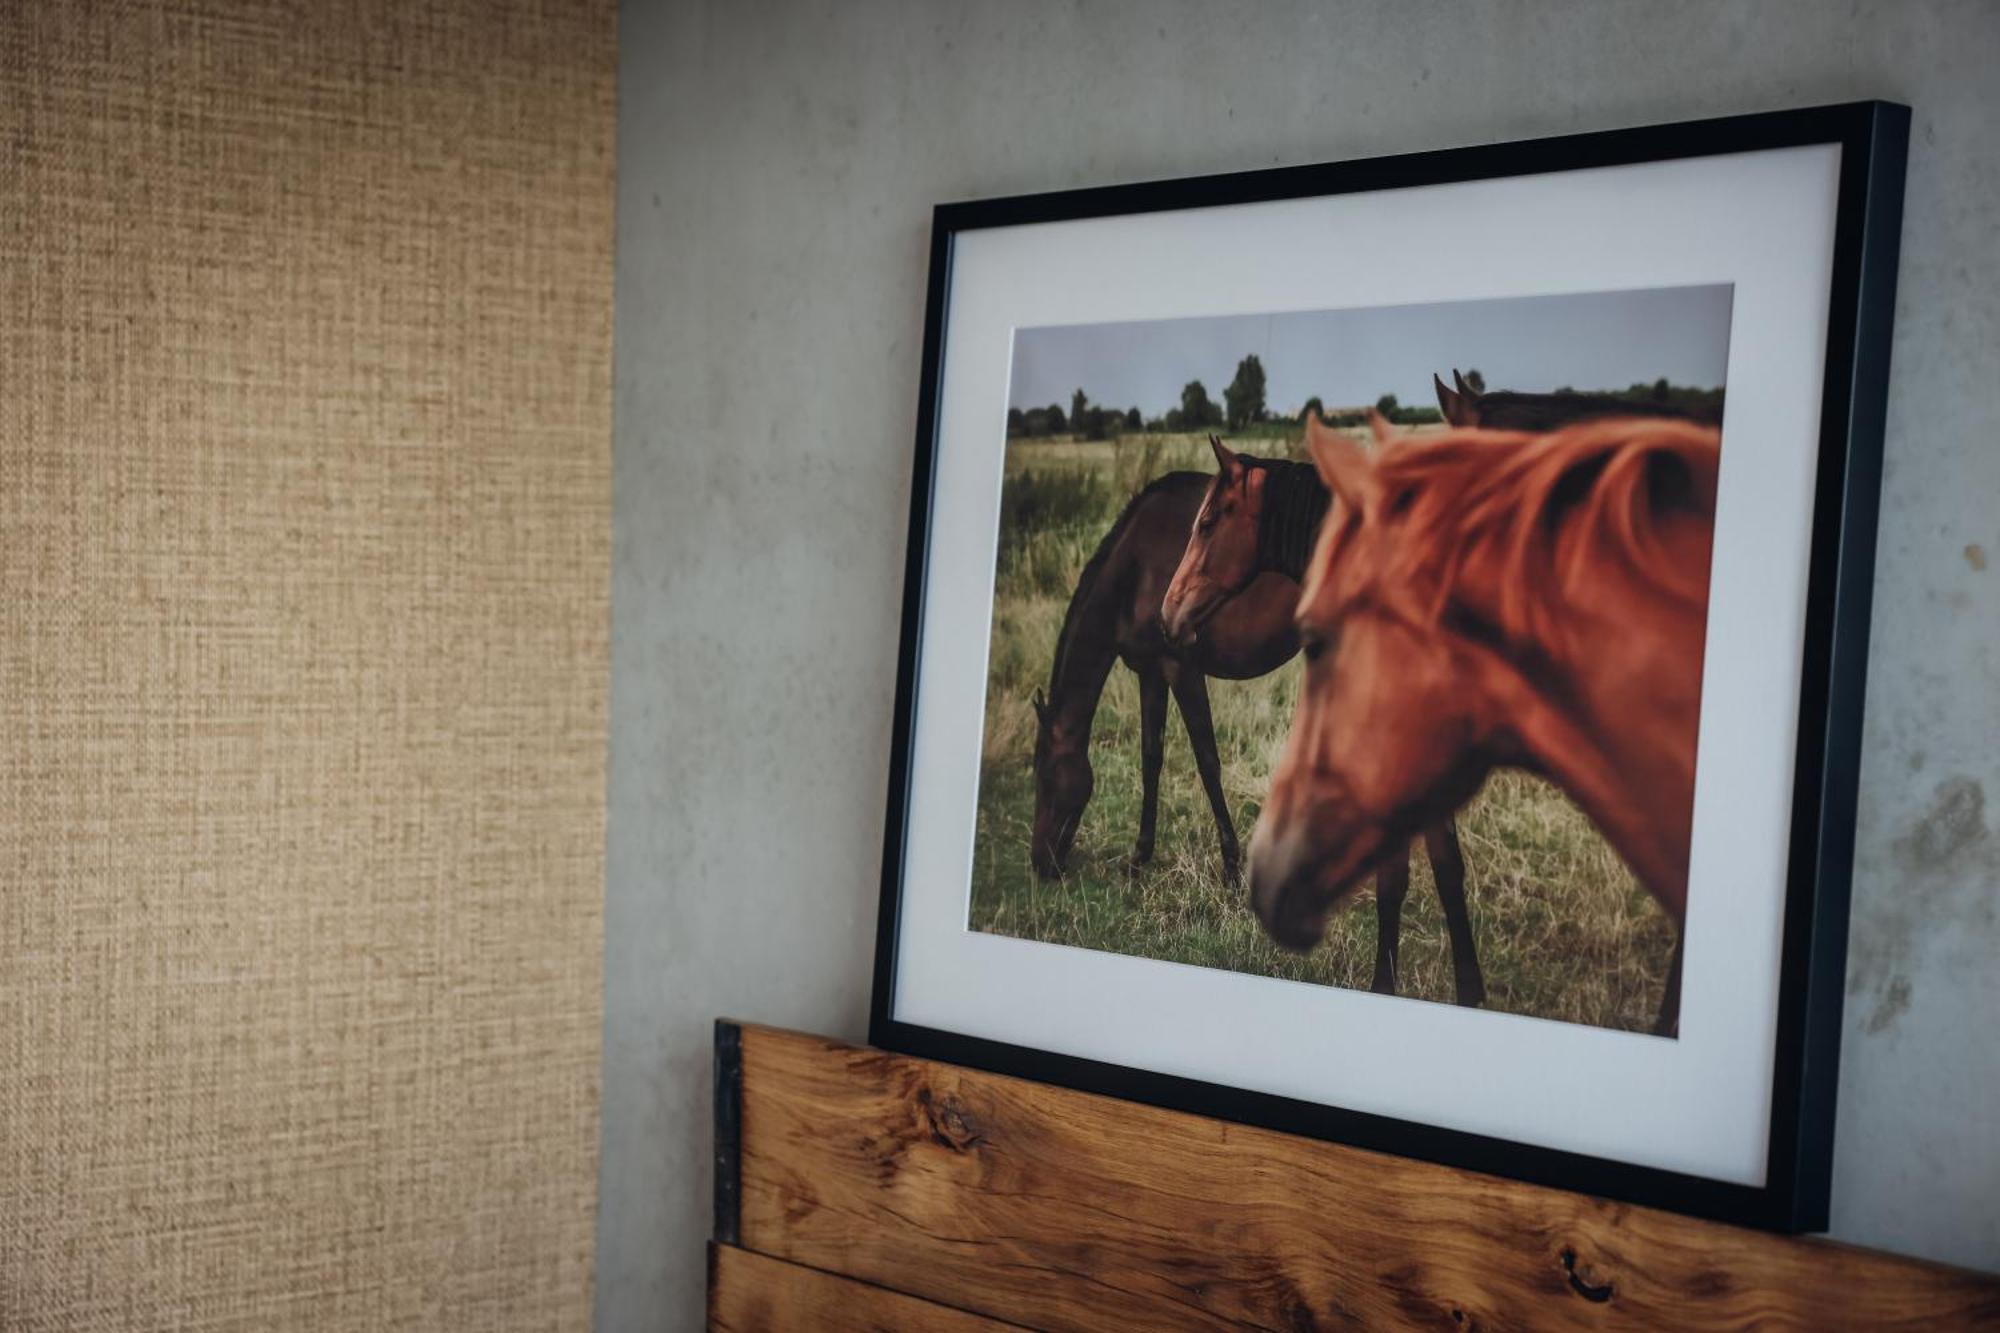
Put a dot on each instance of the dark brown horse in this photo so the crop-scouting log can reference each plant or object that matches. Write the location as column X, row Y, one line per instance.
column 1114, row 616
column 1484, row 599
column 1261, row 517
column 1504, row 409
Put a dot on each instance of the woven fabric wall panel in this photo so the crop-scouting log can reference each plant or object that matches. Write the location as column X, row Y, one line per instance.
column 305, row 335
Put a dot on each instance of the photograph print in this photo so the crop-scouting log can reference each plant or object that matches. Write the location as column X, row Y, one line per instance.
column 1468, row 756
column 1382, row 649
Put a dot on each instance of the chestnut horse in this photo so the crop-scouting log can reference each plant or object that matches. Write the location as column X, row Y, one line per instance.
column 1483, row 599
column 1261, row 516
column 1113, row 616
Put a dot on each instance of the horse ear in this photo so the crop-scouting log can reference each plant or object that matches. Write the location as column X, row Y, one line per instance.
column 1379, row 427
column 1347, row 472
column 1230, row 464
column 1447, row 400
column 1461, row 408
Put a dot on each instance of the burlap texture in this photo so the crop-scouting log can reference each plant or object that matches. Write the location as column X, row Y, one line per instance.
column 305, row 422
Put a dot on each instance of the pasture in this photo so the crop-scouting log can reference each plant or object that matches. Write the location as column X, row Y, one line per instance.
column 1564, row 930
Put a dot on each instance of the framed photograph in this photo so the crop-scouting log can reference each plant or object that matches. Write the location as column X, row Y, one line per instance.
column 1383, row 648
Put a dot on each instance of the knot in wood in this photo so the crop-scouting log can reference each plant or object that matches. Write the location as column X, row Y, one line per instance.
column 952, row 1126
column 1590, row 1291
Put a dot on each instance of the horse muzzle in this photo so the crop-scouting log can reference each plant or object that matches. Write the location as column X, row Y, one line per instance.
column 1181, row 618
column 1284, row 874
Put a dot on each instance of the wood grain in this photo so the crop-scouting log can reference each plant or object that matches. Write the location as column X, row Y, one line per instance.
column 1062, row 1210
column 753, row 1293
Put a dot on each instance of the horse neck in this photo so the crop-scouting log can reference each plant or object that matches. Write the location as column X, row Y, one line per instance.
column 1610, row 718
column 1295, row 502
column 1594, row 632
column 1648, row 830
column 1085, row 651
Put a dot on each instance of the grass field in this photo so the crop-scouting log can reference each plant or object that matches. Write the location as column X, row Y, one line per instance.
column 1564, row 931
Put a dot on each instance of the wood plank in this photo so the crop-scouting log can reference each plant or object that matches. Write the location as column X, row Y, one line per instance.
column 753, row 1293
column 1062, row 1210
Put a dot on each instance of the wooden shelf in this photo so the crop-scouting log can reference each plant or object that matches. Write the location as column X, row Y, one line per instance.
column 860, row 1189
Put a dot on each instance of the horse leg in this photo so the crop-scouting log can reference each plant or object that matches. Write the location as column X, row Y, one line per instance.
column 1392, row 885
column 1152, row 748
column 1669, row 1024
column 1448, row 869
column 1191, row 692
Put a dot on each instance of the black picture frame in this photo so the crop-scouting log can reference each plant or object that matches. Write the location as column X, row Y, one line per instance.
column 1873, row 139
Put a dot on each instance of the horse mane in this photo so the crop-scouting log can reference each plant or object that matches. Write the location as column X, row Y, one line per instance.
column 1547, row 510
column 1295, row 504
column 1093, row 568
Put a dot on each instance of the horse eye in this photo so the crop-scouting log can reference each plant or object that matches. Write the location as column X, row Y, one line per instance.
column 1312, row 643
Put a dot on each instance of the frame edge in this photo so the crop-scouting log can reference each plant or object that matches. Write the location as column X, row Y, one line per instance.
column 728, row 1153
column 909, row 653
column 1880, row 214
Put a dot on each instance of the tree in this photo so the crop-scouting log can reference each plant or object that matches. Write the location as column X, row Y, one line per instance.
column 1197, row 411
column 1078, row 405
column 1055, row 419
column 1387, row 405
column 1475, row 381
column 1090, row 423
column 1017, row 422
column 1245, row 394
column 1313, row 404
column 1133, row 421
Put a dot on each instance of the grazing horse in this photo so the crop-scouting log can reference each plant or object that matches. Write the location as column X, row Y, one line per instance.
column 1503, row 409
column 1258, row 517
column 1483, row 599
column 1114, row 615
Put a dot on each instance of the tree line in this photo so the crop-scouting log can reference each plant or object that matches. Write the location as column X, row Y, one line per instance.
column 1241, row 408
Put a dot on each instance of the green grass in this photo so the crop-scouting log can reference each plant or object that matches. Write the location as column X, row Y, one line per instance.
column 1564, row 931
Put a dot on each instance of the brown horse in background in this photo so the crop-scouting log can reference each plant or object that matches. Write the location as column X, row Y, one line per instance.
column 1484, row 599
column 1113, row 616
column 1261, row 516
column 1504, row 409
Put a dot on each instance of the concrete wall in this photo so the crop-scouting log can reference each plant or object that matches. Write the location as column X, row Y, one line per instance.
column 776, row 167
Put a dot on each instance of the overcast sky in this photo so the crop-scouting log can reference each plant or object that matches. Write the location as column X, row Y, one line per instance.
column 1600, row 340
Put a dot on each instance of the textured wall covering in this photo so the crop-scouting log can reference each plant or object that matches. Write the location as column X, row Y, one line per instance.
column 305, row 326
column 777, row 164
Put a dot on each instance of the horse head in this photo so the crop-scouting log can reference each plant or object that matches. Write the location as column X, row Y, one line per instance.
column 1221, row 556
column 1487, row 598
column 1379, row 741
column 1063, row 783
